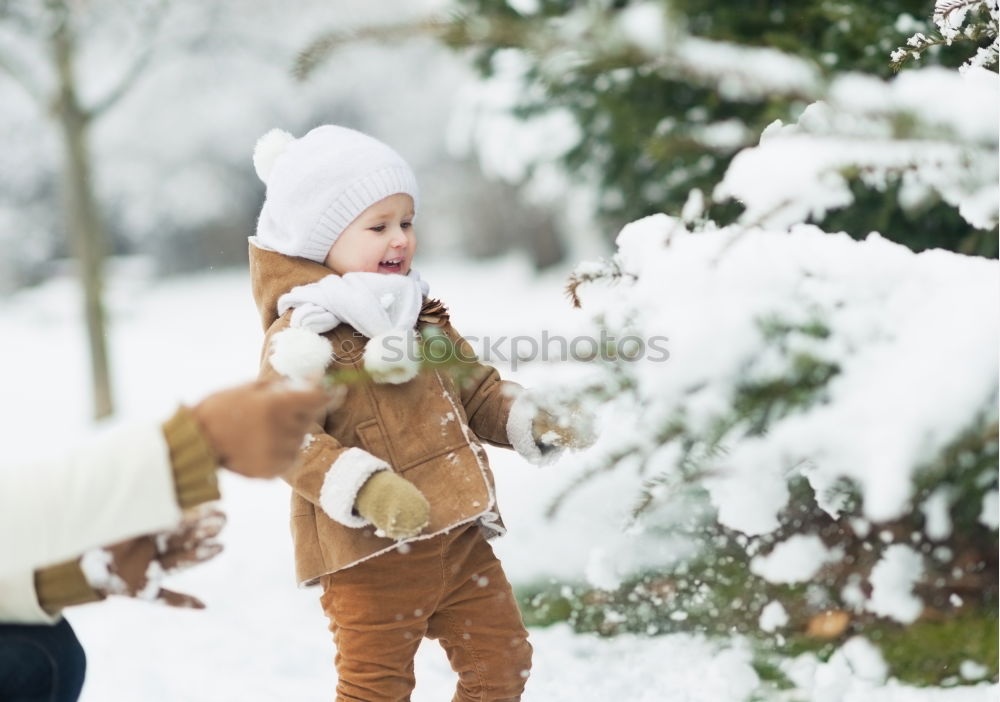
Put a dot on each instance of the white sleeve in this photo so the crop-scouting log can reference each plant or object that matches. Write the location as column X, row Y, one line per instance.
column 19, row 601
column 119, row 486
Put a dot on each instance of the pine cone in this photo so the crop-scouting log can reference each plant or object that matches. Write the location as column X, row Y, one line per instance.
column 828, row 625
column 433, row 312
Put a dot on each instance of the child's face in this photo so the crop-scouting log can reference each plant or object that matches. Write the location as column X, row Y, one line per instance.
column 380, row 240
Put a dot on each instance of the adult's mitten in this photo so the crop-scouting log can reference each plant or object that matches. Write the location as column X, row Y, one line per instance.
column 393, row 505
column 136, row 567
column 256, row 429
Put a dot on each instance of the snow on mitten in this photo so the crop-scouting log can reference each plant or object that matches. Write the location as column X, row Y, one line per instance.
column 393, row 505
column 300, row 355
column 136, row 567
column 572, row 428
column 540, row 434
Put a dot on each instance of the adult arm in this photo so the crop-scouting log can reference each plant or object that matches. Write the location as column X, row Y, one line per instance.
column 131, row 480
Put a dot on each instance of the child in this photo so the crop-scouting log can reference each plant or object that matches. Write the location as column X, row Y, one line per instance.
column 393, row 500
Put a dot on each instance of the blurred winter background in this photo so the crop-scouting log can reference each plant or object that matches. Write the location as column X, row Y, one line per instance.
column 800, row 503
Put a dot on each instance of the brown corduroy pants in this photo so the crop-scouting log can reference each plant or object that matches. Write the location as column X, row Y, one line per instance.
column 450, row 588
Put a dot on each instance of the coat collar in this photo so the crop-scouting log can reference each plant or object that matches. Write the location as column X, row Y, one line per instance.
column 272, row 274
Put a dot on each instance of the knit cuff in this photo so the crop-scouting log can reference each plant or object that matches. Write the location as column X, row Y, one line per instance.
column 192, row 460
column 63, row 585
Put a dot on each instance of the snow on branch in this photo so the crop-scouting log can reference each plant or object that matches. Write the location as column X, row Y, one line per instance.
column 950, row 15
column 795, row 353
column 933, row 129
column 741, row 73
column 490, row 122
column 952, row 18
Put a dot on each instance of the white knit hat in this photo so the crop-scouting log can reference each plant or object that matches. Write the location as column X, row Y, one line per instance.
column 318, row 184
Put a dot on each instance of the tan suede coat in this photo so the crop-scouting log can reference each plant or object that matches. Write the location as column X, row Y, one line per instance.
column 428, row 429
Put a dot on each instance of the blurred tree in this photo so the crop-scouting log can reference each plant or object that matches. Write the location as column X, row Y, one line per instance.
column 53, row 27
column 142, row 117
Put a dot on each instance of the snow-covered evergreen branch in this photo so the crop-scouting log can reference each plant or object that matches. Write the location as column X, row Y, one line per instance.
column 950, row 17
column 943, row 147
column 801, row 373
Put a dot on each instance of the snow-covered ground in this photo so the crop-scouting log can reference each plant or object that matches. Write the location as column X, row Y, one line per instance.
column 261, row 638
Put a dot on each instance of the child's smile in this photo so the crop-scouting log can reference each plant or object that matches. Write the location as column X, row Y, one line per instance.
column 393, row 265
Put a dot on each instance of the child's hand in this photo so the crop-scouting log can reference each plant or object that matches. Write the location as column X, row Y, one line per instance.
column 572, row 428
column 393, row 505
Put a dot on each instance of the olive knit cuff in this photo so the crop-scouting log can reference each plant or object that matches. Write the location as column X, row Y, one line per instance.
column 63, row 585
column 192, row 460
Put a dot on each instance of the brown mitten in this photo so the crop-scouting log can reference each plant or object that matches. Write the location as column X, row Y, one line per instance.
column 393, row 504
column 571, row 428
column 256, row 429
column 135, row 568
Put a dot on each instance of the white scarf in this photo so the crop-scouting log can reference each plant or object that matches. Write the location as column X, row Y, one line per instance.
column 372, row 303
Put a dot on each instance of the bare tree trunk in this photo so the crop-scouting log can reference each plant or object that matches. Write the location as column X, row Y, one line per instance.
column 82, row 212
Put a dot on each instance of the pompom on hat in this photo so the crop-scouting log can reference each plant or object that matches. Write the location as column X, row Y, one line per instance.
column 319, row 183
